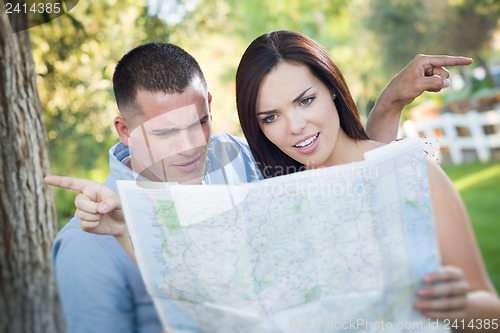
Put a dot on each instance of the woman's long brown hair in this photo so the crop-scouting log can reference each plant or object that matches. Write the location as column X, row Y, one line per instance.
column 261, row 56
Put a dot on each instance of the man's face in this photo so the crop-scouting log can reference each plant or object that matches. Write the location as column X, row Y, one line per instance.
column 170, row 135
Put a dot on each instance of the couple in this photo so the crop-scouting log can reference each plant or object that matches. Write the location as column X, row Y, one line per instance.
column 296, row 112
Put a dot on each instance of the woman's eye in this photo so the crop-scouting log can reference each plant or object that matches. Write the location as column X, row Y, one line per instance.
column 270, row 119
column 306, row 101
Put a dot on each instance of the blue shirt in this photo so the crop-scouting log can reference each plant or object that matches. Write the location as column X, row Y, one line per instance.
column 100, row 288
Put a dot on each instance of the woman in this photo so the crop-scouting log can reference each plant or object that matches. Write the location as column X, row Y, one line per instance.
column 297, row 113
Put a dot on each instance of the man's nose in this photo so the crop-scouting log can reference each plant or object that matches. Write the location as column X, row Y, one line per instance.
column 189, row 139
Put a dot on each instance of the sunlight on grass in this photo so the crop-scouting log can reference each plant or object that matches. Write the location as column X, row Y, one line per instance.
column 483, row 175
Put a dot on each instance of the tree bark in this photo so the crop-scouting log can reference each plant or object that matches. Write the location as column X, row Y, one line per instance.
column 28, row 293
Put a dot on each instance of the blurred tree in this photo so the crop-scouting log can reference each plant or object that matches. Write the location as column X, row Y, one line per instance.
column 321, row 20
column 28, row 293
column 75, row 56
column 467, row 28
column 398, row 29
column 231, row 25
column 405, row 28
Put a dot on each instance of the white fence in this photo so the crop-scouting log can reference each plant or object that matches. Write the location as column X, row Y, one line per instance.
column 458, row 133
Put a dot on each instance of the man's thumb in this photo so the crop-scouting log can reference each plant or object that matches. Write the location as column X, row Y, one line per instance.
column 108, row 204
column 103, row 208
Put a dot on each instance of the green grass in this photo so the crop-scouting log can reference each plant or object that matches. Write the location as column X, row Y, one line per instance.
column 479, row 185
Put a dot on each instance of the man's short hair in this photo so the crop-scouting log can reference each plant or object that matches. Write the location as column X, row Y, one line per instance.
column 153, row 67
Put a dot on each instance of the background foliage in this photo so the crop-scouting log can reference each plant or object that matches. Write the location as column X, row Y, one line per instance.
column 371, row 40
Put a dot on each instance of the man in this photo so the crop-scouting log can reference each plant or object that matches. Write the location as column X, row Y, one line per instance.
column 165, row 135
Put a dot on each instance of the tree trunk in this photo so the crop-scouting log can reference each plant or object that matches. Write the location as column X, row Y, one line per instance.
column 28, row 293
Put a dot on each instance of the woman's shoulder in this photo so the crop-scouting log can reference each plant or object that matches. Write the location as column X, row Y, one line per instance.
column 367, row 145
column 430, row 146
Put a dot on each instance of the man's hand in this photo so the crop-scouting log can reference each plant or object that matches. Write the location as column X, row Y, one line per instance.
column 97, row 206
column 423, row 73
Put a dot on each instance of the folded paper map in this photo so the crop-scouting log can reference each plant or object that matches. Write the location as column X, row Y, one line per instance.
column 333, row 249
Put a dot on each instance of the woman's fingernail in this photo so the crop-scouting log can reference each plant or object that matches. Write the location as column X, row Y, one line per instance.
column 427, row 278
column 446, row 83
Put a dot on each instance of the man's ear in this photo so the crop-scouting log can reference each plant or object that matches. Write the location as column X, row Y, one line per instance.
column 123, row 128
column 210, row 105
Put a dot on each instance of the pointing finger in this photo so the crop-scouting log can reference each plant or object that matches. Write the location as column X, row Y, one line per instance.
column 445, row 60
column 70, row 183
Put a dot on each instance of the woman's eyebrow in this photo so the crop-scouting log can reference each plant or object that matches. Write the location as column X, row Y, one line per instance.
column 301, row 95
column 295, row 100
column 265, row 112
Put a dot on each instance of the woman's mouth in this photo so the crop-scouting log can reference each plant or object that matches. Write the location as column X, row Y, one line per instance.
column 308, row 145
column 307, row 142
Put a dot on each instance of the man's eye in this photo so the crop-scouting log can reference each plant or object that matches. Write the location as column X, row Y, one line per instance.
column 164, row 133
column 269, row 119
column 201, row 122
column 306, row 101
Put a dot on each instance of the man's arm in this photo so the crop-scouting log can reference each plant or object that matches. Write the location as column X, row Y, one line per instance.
column 423, row 73
column 101, row 289
column 92, row 282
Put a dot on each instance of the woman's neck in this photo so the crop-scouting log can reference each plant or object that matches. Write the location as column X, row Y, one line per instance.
column 349, row 150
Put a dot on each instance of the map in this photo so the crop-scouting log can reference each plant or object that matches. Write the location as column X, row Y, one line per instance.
column 333, row 249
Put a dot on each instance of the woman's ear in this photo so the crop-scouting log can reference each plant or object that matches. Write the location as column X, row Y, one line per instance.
column 123, row 129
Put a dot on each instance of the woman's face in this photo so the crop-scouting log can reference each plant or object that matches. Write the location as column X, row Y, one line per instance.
column 296, row 112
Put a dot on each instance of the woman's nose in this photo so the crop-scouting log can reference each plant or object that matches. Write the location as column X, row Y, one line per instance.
column 296, row 123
